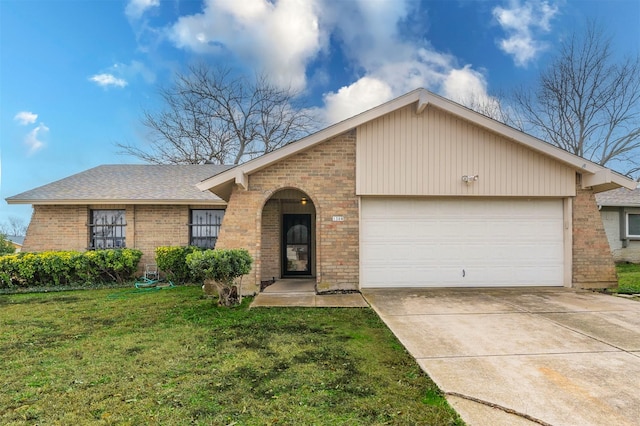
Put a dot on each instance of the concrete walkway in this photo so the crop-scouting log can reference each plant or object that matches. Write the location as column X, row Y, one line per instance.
column 302, row 293
column 523, row 356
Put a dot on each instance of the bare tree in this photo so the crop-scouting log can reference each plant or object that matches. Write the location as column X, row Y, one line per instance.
column 213, row 116
column 14, row 226
column 493, row 107
column 588, row 102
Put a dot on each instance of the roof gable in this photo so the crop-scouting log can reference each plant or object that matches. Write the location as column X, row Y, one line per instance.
column 595, row 176
column 427, row 154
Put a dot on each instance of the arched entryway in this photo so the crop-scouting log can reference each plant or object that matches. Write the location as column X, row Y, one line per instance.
column 288, row 243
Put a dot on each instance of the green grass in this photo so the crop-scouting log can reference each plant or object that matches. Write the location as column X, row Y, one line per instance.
column 628, row 278
column 172, row 357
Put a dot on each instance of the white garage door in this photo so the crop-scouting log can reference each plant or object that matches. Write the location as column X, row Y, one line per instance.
column 460, row 242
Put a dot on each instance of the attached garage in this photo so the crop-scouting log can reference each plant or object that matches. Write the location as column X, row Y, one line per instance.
column 422, row 192
column 458, row 242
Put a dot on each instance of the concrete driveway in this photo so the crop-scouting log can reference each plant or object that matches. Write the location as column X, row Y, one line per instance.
column 523, row 356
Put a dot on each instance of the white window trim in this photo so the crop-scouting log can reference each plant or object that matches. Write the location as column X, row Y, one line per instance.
column 626, row 224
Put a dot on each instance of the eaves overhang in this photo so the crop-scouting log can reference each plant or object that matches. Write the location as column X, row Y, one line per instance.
column 69, row 202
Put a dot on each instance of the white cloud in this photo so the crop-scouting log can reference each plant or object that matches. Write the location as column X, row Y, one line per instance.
column 119, row 74
column 283, row 37
column 356, row 98
column 279, row 38
column 461, row 84
column 524, row 23
column 33, row 140
column 107, row 80
column 136, row 8
column 366, row 28
column 394, row 66
column 133, row 70
column 25, row 117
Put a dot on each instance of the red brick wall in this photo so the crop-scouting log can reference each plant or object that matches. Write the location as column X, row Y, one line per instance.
column 593, row 265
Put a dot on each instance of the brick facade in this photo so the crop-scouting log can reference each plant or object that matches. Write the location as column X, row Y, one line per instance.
column 593, row 265
column 326, row 173
column 156, row 226
column 271, row 240
column 61, row 227
column 57, row 228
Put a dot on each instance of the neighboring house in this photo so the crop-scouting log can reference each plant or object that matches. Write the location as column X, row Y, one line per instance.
column 620, row 210
column 417, row 192
column 136, row 206
column 17, row 242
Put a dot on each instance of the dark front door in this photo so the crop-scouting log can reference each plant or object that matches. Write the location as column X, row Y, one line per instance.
column 296, row 255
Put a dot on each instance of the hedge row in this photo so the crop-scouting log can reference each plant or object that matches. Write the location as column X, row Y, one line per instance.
column 59, row 268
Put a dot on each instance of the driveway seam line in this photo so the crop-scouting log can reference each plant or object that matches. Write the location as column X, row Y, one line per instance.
column 540, row 314
column 537, row 354
column 586, row 335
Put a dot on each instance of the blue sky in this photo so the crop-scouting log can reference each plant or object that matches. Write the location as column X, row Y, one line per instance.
column 75, row 76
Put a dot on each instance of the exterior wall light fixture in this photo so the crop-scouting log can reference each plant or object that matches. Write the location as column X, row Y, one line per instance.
column 470, row 178
column 303, row 201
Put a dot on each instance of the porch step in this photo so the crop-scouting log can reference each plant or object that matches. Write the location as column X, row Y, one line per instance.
column 302, row 293
column 287, row 286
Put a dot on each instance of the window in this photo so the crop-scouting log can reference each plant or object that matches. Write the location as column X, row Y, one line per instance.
column 204, row 227
column 633, row 225
column 107, row 229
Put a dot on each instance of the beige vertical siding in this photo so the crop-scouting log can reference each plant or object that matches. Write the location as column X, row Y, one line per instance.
column 403, row 153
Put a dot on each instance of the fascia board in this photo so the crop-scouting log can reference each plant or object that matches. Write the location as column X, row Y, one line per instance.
column 633, row 205
column 70, row 202
column 605, row 177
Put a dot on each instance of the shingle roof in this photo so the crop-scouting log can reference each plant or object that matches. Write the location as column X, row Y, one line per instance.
column 130, row 183
column 620, row 197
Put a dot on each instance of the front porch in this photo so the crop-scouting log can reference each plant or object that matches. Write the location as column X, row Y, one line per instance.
column 302, row 293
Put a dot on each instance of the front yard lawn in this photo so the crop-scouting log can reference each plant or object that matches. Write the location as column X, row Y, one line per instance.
column 628, row 278
column 171, row 357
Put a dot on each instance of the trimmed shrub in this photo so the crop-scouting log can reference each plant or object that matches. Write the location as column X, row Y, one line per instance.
column 173, row 262
column 6, row 247
column 117, row 265
column 221, row 268
column 9, row 274
column 59, row 268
